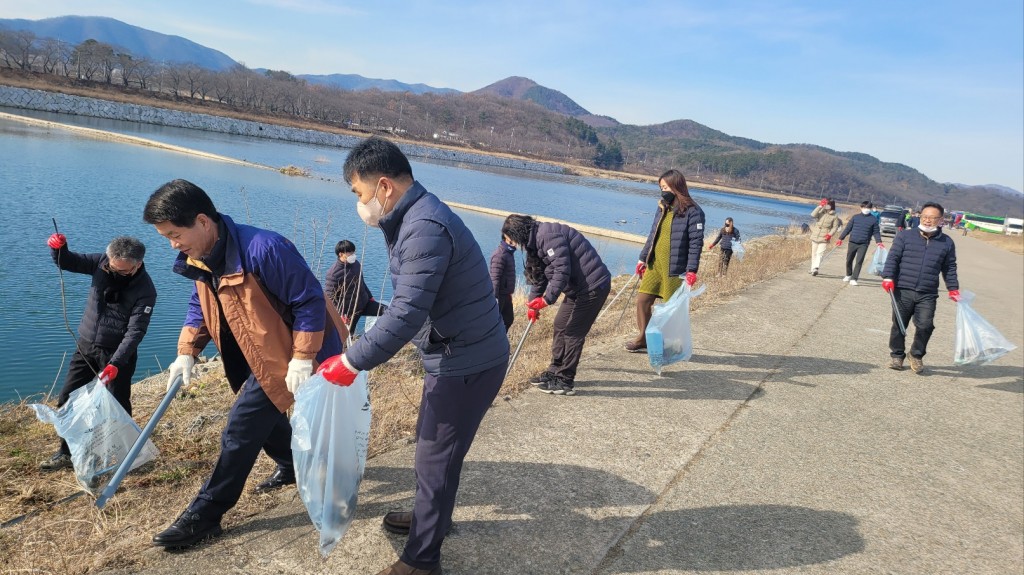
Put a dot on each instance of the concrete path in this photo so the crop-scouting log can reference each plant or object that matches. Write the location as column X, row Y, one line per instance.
column 784, row 445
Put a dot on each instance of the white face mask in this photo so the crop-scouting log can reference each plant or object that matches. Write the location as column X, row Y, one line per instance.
column 865, row 211
column 372, row 212
column 927, row 229
column 351, row 259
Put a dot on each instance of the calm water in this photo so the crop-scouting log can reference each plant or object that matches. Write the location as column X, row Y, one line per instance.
column 96, row 190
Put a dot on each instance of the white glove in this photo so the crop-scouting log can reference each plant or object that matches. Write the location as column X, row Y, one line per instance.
column 183, row 367
column 299, row 371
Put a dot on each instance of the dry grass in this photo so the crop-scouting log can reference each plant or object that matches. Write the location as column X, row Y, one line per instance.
column 294, row 171
column 1014, row 244
column 76, row 538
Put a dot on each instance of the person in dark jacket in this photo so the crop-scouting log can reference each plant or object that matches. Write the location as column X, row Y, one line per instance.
column 727, row 235
column 911, row 275
column 254, row 296
column 346, row 287
column 443, row 302
column 861, row 228
column 115, row 320
column 503, row 279
column 560, row 260
column 672, row 251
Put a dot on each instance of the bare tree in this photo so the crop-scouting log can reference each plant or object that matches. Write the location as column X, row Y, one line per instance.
column 145, row 70
column 18, row 47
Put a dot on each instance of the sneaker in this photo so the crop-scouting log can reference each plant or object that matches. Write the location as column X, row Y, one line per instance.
column 853, row 282
column 60, row 460
column 636, row 347
column 565, row 388
column 541, row 379
column 548, row 386
column 916, row 365
column 846, row 278
column 814, row 272
column 896, row 363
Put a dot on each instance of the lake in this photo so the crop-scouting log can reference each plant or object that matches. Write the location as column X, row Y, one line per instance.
column 96, row 189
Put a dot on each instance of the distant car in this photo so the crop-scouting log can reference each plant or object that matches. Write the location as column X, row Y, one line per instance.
column 891, row 222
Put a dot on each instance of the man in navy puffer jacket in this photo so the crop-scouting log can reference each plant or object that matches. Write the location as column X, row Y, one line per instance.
column 911, row 275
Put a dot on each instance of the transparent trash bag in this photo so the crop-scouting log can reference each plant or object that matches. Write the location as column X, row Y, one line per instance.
column 99, row 433
column 668, row 332
column 878, row 261
column 975, row 341
column 738, row 251
column 330, row 433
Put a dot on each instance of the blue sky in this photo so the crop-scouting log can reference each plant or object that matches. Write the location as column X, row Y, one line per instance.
column 937, row 85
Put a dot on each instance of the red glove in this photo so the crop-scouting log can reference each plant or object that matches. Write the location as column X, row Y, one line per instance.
column 824, row 202
column 954, row 294
column 537, row 304
column 344, row 319
column 888, row 286
column 691, row 278
column 532, row 315
column 641, row 268
column 109, row 373
column 839, row 243
column 57, row 241
column 881, row 245
column 337, row 370
column 828, row 237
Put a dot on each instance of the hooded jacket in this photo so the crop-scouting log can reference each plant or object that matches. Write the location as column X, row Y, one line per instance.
column 571, row 265
column 118, row 311
column 687, row 239
column 827, row 223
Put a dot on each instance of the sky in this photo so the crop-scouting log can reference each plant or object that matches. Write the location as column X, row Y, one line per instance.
column 936, row 85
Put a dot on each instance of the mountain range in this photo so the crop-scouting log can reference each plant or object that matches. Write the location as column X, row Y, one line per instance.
column 683, row 143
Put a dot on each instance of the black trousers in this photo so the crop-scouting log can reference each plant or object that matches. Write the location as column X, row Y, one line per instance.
column 572, row 323
column 372, row 308
column 87, row 361
column 921, row 307
column 723, row 261
column 857, row 251
column 451, row 410
column 254, row 423
column 505, row 308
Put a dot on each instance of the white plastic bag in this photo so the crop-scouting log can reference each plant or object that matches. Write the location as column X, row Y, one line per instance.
column 738, row 250
column 975, row 340
column 99, row 433
column 878, row 261
column 668, row 332
column 330, row 434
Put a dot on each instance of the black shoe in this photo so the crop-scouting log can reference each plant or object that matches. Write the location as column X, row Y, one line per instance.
column 542, row 378
column 60, row 460
column 564, row 387
column 814, row 272
column 279, row 479
column 187, row 530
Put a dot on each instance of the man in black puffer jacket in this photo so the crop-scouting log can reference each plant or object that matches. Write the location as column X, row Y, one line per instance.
column 911, row 275
column 860, row 228
column 113, row 324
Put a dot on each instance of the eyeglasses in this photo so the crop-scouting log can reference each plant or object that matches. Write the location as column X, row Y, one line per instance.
column 931, row 218
column 121, row 272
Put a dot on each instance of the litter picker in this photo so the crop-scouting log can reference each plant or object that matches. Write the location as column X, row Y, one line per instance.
column 611, row 303
column 126, row 464
column 896, row 312
column 825, row 257
column 522, row 340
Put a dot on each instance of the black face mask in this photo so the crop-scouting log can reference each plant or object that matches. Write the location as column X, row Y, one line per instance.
column 668, row 197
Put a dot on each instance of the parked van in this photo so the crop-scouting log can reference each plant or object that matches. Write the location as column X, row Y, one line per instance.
column 1014, row 226
column 892, row 222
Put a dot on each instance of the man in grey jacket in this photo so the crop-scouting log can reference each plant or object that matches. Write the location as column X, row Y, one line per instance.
column 444, row 303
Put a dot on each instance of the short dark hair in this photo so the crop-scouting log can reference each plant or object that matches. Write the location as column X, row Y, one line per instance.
column 344, row 247
column 933, row 205
column 831, row 204
column 126, row 248
column 866, row 204
column 178, row 202
column 376, row 156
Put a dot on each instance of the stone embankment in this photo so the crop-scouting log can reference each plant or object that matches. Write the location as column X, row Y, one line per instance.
column 40, row 100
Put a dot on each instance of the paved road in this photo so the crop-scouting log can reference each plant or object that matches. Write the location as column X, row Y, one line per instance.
column 784, row 445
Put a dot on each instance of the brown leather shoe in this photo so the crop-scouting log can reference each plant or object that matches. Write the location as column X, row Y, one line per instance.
column 399, row 568
column 397, row 522
column 636, row 347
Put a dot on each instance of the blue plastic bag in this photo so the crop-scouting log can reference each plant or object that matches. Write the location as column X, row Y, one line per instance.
column 738, row 251
column 668, row 332
column 878, row 261
column 330, row 434
column 975, row 341
column 99, row 433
